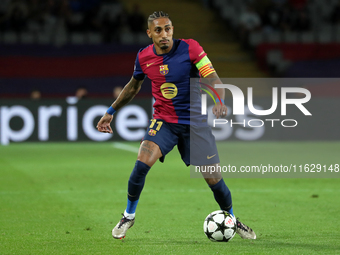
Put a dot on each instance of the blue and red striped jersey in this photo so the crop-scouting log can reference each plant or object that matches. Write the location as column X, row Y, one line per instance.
column 170, row 75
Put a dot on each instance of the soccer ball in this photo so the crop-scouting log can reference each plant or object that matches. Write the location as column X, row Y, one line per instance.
column 220, row 226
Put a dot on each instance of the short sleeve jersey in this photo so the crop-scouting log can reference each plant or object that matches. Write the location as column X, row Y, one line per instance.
column 170, row 75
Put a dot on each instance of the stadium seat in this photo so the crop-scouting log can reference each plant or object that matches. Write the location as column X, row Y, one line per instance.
column 324, row 37
column 337, row 29
column 327, row 28
column 60, row 39
column 218, row 3
column 227, row 12
column 255, row 38
column 113, row 9
column 10, row 38
column 77, row 38
column 27, row 38
column 276, row 62
column 290, row 37
column 337, row 37
column 325, row 9
column 43, row 38
column 143, row 39
column 283, row 66
column 127, row 38
column 33, row 26
column 274, row 57
column 307, row 37
column 274, row 37
column 94, row 38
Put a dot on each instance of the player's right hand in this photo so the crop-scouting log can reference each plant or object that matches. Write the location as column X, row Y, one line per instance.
column 104, row 124
column 220, row 110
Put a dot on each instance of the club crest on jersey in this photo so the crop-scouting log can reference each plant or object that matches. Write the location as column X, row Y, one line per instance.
column 164, row 69
column 152, row 132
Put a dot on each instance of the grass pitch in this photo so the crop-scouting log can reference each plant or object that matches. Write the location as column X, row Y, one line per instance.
column 65, row 198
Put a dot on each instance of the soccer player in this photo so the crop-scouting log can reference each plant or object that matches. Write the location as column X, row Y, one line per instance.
column 170, row 63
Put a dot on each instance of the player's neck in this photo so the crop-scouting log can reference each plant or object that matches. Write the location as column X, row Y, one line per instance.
column 160, row 51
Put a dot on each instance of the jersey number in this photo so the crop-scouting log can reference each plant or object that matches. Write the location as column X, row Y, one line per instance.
column 159, row 124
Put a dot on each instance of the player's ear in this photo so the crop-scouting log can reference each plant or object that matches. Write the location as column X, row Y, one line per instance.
column 148, row 32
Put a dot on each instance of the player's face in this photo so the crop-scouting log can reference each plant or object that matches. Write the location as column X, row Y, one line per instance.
column 161, row 31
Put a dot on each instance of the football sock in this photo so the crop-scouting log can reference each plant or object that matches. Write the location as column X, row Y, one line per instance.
column 129, row 216
column 222, row 196
column 135, row 186
column 231, row 211
column 131, row 206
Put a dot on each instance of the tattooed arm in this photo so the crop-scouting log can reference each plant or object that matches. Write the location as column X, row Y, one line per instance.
column 128, row 93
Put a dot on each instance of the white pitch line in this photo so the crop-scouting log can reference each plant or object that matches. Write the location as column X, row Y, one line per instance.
column 126, row 147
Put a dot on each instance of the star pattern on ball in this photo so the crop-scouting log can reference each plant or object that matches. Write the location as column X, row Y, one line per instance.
column 209, row 234
column 216, row 227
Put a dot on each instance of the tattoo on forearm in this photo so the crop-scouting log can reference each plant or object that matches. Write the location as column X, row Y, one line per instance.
column 123, row 98
column 127, row 94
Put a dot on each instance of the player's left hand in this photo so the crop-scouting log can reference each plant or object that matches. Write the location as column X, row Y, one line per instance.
column 104, row 124
column 220, row 110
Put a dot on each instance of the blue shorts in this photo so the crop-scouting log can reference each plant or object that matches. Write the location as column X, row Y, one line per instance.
column 196, row 145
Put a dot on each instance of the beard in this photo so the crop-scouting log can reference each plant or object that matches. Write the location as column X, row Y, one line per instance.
column 164, row 47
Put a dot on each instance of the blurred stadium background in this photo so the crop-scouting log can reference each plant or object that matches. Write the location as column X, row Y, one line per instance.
column 85, row 49
column 62, row 62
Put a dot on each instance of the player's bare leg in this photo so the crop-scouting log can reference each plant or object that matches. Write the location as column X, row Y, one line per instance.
column 148, row 154
column 223, row 198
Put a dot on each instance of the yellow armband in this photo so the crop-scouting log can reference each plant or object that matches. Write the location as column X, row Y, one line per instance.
column 205, row 67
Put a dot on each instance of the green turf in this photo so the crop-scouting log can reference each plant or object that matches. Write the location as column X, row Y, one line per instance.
column 65, row 198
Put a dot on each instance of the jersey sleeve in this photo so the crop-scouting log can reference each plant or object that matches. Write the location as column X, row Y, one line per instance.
column 138, row 73
column 196, row 51
column 200, row 59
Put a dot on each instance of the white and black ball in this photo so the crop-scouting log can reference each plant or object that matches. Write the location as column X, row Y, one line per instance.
column 220, row 226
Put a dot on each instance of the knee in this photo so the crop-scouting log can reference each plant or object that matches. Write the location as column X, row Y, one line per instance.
column 139, row 172
column 212, row 181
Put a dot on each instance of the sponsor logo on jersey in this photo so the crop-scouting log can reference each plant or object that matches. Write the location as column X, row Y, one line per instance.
column 169, row 90
column 164, row 69
column 152, row 132
column 147, row 65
